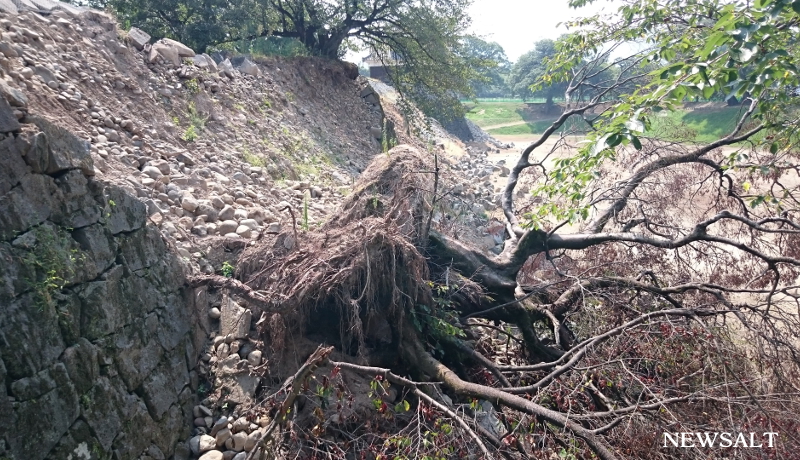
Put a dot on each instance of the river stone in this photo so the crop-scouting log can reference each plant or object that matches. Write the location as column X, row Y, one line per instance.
column 201, row 444
column 221, row 423
column 212, row 455
column 227, row 226
column 222, row 436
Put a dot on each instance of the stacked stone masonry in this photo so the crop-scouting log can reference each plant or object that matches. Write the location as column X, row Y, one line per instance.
column 96, row 344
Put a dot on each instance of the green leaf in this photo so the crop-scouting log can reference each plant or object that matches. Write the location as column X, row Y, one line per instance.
column 796, row 6
column 745, row 53
column 773, row 148
column 635, row 125
column 679, row 93
column 670, row 70
column 597, row 147
column 402, row 406
column 613, row 140
column 637, row 144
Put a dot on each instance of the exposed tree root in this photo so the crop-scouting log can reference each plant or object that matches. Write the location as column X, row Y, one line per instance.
column 572, row 357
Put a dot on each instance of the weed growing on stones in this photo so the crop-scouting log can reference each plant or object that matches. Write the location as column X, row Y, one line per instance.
column 51, row 262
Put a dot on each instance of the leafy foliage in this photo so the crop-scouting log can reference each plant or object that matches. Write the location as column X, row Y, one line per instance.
column 690, row 50
column 531, row 68
column 492, row 67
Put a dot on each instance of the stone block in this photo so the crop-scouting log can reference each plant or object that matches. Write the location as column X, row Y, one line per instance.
column 235, row 320
column 103, row 310
column 226, row 68
column 141, row 250
column 136, row 354
column 166, row 52
column 99, row 249
column 239, row 389
column 46, row 74
column 82, row 364
column 30, row 340
column 174, row 323
column 58, row 407
column 248, row 67
column 170, row 429
column 125, row 212
column 101, row 407
column 79, row 208
column 14, row 96
column 138, row 430
column 34, row 386
column 158, row 392
column 8, row 6
column 77, row 443
column 13, row 165
column 29, row 204
column 67, row 151
column 138, row 38
column 180, row 48
column 8, row 122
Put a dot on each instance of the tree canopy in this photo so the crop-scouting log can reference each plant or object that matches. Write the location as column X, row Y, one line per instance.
column 492, row 65
column 531, row 68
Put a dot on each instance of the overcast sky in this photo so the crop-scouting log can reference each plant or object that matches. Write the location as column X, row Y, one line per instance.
column 517, row 24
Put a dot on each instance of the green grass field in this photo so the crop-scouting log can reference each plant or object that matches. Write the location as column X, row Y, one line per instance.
column 701, row 125
column 495, row 113
column 705, row 125
column 490, row 113
column 573, row 125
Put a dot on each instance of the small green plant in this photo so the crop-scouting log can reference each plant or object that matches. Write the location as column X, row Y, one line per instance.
column 196, row 123
column 304, row 223
column 227, row 269
column 388, row 141
column 50, row 261
column 195, row 119
column 290, row 96
column 265, row 104
column 378, row 389
column 97, row 451
column 438, row 322
column 192, row 86
column 190, row 135
column 253, row 159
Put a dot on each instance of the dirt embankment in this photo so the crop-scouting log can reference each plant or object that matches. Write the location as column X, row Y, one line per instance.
column 192, row 139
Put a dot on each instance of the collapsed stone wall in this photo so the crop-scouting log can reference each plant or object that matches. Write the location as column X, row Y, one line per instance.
column 97, row 338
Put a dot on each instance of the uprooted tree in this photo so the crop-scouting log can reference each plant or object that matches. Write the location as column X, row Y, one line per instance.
column 650, row 286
